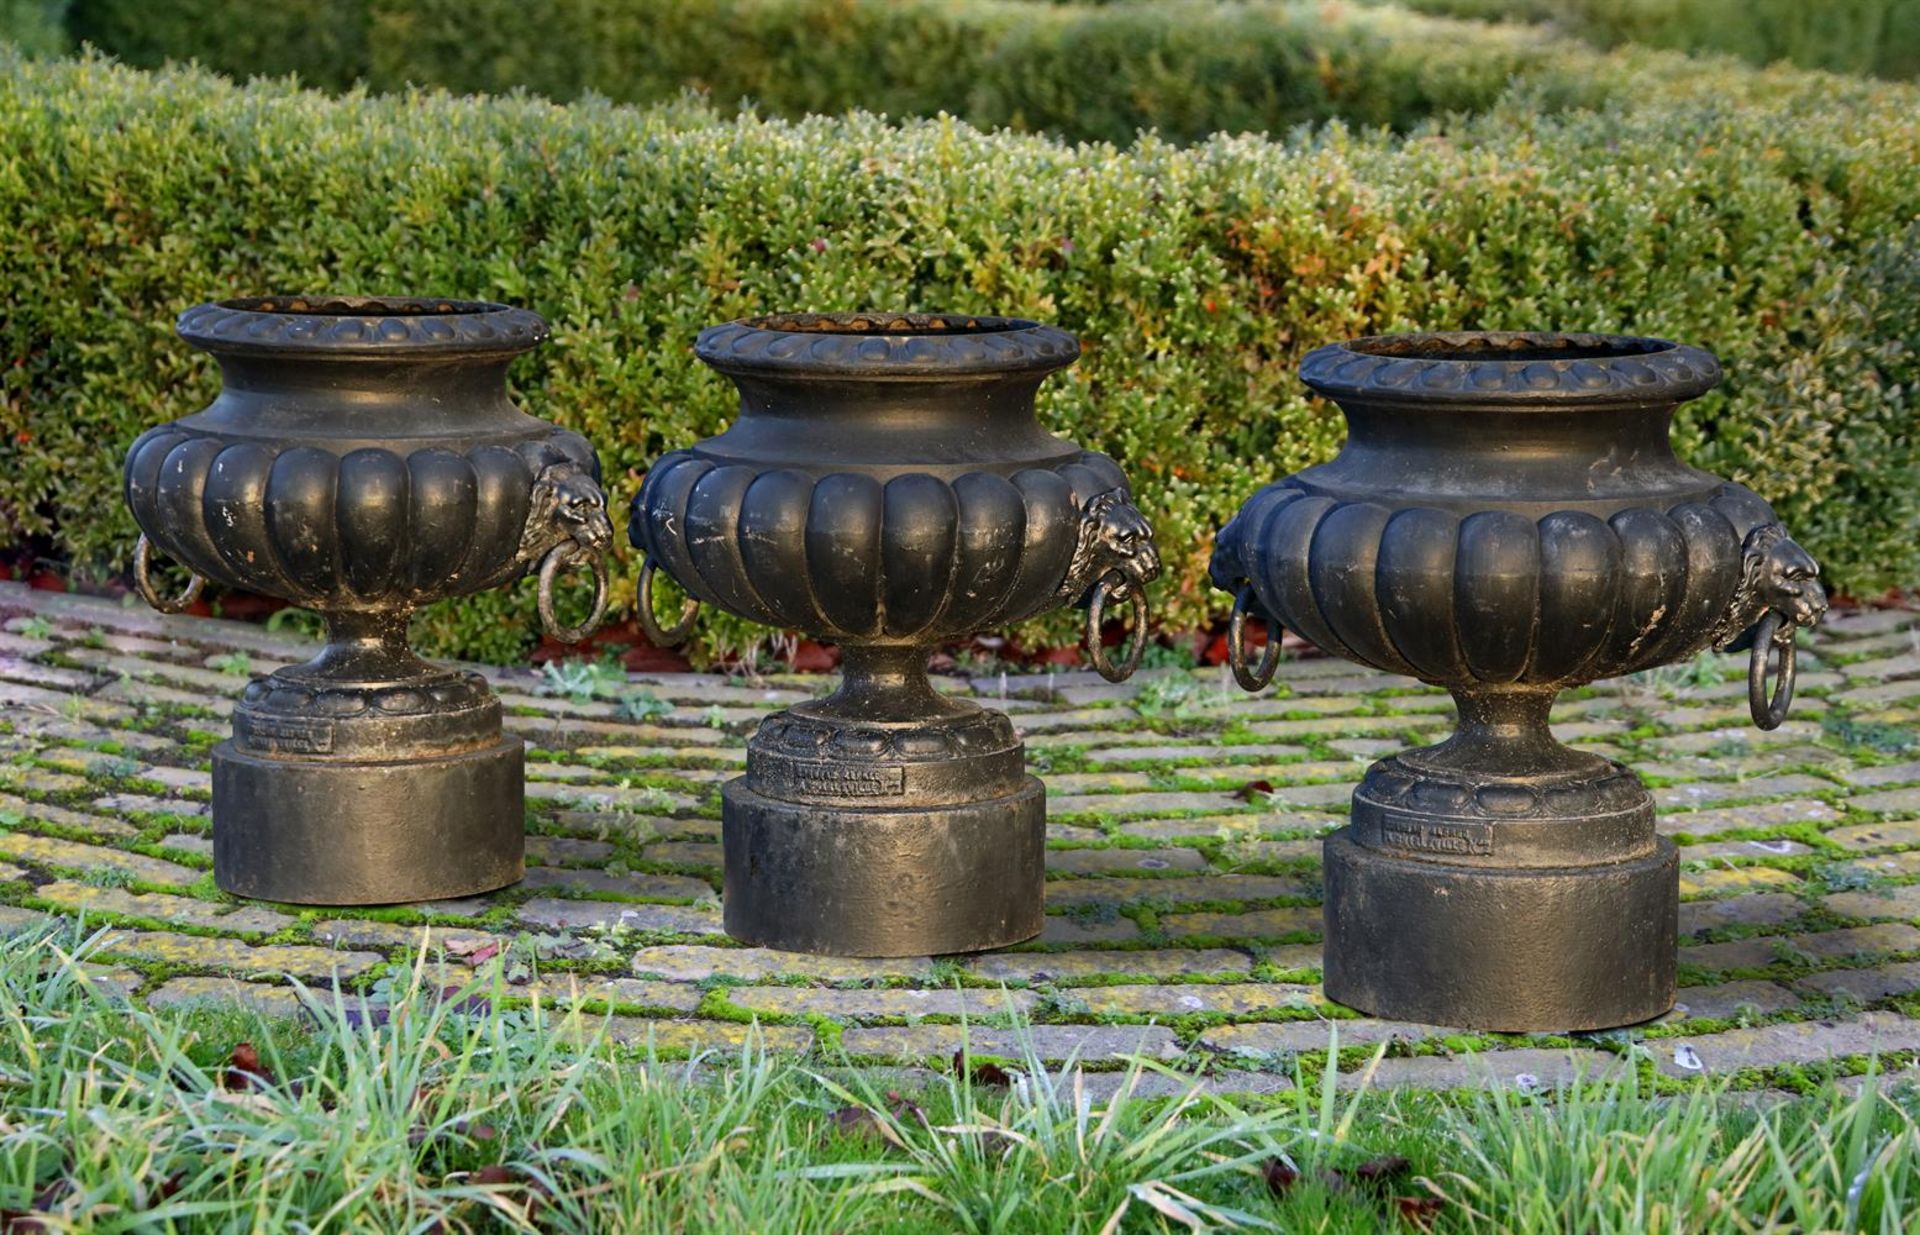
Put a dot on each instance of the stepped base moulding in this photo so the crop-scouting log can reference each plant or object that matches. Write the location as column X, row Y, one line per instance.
column 1506, row 520
column 363, row 458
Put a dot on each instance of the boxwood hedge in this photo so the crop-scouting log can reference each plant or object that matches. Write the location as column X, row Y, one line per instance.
column 1770, row 217
column 1186, row 68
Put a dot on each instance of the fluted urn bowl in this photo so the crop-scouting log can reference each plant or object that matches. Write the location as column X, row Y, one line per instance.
column 1508, row 519
column 887, row 487
column 363, row 458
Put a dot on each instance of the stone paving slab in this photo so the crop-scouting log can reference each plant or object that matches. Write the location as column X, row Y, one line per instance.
column 1183, row 863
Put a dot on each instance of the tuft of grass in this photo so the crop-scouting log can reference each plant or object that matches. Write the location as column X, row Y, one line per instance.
column 447, row 1111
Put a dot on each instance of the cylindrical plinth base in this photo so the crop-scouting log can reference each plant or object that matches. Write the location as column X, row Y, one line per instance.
column 1513, row 949
column 906, row 881
column 340, row 832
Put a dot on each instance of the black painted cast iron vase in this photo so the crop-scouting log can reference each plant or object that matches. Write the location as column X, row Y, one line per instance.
column 363, row 458
column 1508, row 519
column 887, row 487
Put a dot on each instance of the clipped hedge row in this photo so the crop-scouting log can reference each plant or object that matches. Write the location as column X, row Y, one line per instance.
column 1779, row 231
column 1187, row 68
column 1881, row 37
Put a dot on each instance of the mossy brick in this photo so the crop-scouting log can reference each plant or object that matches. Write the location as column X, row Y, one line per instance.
column 1886, row 937
column 1066, row 784
column 1347, row 726
column 1757, row 909
column 259, row 997
column 1753, row 953
column 1188, row 998
column 567, row 850
column 1292, row 1037
column 234, row 957
column 202, row 681
column 631, row 826
column 15, row 696
column 685, row 853
column 1721, row 880
column 1880, row 694
column 1076, row 718
column 1130, row 805
column 55, row 677
column 1524, row 1069
column 73, row 855
column 147, row 804
column 1744, row 737
column 1742, row 850
column 1274, row 923
column 1073, row 893
column 564, row 990
column 1699, row 793
column 1865, row 837
column 634, row 886
column 890, row 1003
column 1329, row 796
column 1724, row 1000
column 1089, row 964
column 188, row 842
column 694, row 1037
column 1196, row 752
column 356, row 933
column 1070, row 929
column 697, row 962
column 1715, row 820
column 1902, row 865
column 139, row 694
column 103, row 826
column 40, row 780
column 9, row 872
column 553, row 913
column 1879, row 904
column 1838, row 628
column 1890, row 801
column 14, row 920
column 1216, row 826
column 609, row 797
column 1276, row 851
column 1867, row 985
column 1052, row 1044
column 1123, row 861
column 1788, row 1043
column 85, row 898
column 1292, row 957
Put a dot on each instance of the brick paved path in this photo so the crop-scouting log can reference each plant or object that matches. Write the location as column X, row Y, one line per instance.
column 1183, row 918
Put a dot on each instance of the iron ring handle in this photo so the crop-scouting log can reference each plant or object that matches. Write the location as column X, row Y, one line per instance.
column 1258, row 676
column 561, row 555
column 143, row 581
column 1114, row 584
column 663, row 638
column 1769, row 711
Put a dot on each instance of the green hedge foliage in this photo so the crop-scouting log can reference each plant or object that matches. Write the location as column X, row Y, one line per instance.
column 1770, row 217
column 1186, row 68
column 1881, row 37
column 36, row 27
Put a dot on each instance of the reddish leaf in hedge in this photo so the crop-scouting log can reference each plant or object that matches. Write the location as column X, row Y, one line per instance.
column 982, row 1073
column 1377, row 1171
column 1254, row 790
column 1419, row 1210
column 1281, row 1176
column 244, row 1070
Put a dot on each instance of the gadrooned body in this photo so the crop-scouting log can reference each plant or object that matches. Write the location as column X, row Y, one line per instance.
column 1508, row 519
column 361, row 459
column 887, row 487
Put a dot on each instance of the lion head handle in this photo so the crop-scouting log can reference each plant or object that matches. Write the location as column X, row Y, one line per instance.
column 566, row 506
column 1114, row 558
column 567, row 523
column 1114, row 538
column 1778, row 593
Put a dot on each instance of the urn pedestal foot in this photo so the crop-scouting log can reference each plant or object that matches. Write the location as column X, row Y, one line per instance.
column 313, row 832
column 884, row 820
column 1545, row 950
column 367, row 777
column 904, row 881
column 1502, row 881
